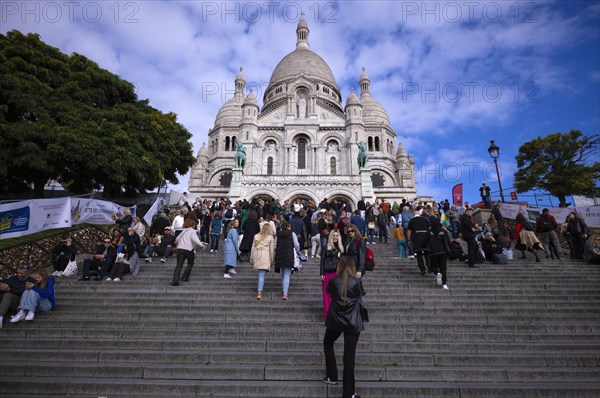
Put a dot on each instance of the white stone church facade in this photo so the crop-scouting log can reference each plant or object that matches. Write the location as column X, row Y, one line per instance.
column 303, row 142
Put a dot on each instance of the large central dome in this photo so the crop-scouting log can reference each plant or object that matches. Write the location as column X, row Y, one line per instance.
column 302, row 61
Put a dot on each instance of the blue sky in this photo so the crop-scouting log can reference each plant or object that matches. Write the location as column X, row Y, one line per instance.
column 451, row 75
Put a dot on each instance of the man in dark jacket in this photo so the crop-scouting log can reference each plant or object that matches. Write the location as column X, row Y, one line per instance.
column 418, row 239
column 12, row 289
column 545, row 226
column 299, row 228
column 469, row 231
column 105, row 257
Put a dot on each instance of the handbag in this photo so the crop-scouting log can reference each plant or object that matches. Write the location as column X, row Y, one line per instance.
column 71, row 269
column 371, row 225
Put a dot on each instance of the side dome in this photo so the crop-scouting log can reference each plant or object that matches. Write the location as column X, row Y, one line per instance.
column 352, row 99
column 373, row 112
column 231, row 112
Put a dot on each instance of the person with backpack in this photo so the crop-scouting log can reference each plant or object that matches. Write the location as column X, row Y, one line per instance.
column 576, row 233
column 356, row 247
column 545, row 226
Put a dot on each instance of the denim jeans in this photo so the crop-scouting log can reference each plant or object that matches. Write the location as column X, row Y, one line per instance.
column 31, row 300
column 371, row 235
column 261, row 279
column 285, row 279
column 402, row 248
column 214, row 243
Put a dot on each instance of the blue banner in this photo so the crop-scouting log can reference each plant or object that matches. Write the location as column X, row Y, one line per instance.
column 15, row 220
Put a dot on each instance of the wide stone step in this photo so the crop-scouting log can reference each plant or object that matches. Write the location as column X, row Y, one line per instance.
column 280, row 389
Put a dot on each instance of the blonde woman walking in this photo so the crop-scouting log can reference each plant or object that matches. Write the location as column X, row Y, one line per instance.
column 262, row 255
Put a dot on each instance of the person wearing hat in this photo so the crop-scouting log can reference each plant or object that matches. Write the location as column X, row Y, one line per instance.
column 484, row 192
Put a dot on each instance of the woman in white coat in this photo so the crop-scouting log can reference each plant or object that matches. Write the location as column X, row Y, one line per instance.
column 263, row 253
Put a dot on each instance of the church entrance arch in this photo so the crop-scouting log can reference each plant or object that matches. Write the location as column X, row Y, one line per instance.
column 265, row 197
column 303, row 198
column 342, row 199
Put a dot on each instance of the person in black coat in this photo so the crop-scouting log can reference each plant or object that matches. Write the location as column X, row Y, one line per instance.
column 103, row 260
column 469, row 231
column 63, row 252
column 251, row 228
column 344, row 316
column 439, row 250
column 284, row 256
column 418, row 239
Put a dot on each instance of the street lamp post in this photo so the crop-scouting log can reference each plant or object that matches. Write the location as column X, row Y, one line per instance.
column 494, row 151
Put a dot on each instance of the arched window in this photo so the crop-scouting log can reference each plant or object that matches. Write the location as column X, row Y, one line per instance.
column 226, row 143
column 270, row 166
column 333, row 166
column 377, row 144
column 233, row 143
column 301, row 154
column 371, row 144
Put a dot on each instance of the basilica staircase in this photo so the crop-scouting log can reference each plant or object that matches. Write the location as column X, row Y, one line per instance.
column 517, row 330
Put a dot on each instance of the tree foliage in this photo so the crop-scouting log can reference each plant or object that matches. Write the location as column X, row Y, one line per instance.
column 562, row 164
column 64, row 118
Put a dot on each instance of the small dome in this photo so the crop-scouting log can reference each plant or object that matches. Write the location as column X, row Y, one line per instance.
column 231, row 112
column 401, row 152
column 240, row 75
column 250, row 99
column 203, row 152
column 373, row 112
column 363, row 75
column 352, row 99
column 302, row 24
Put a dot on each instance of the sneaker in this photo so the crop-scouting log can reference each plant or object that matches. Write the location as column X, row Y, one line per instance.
column 117, row 280
column 59, row 273
column 284, row 297
column 445, row 287
column 55, row 273
column 212, row 251
column 148, row 259
column 327, row 380
column 227, row 276
column 411, row 257
column 163, row 260
column 30, row 316
column 355, row 396
column 259, row 295
column 19, row 317
column 233, row 271
column 438, row 279
column 108, row 280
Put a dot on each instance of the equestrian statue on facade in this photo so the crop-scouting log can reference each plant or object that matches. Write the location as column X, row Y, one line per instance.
column 363, row 156
column 240, row 155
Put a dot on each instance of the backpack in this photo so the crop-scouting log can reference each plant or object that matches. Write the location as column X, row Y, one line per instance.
column 229, row 213
column 369, row 260
column 546, row 224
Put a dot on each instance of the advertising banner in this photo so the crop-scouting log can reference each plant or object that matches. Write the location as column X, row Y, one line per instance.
column 457, row 195
column 14, row 219
column 94, row 211
column 28, row 217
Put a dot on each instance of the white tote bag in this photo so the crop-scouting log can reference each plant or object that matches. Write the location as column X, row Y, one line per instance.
column 71, row 269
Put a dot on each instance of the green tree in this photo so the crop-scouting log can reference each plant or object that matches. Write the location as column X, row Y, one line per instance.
column 63, row 117
column 562, row 164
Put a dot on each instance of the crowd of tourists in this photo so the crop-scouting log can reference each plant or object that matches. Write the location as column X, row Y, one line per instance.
column 279, row 237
